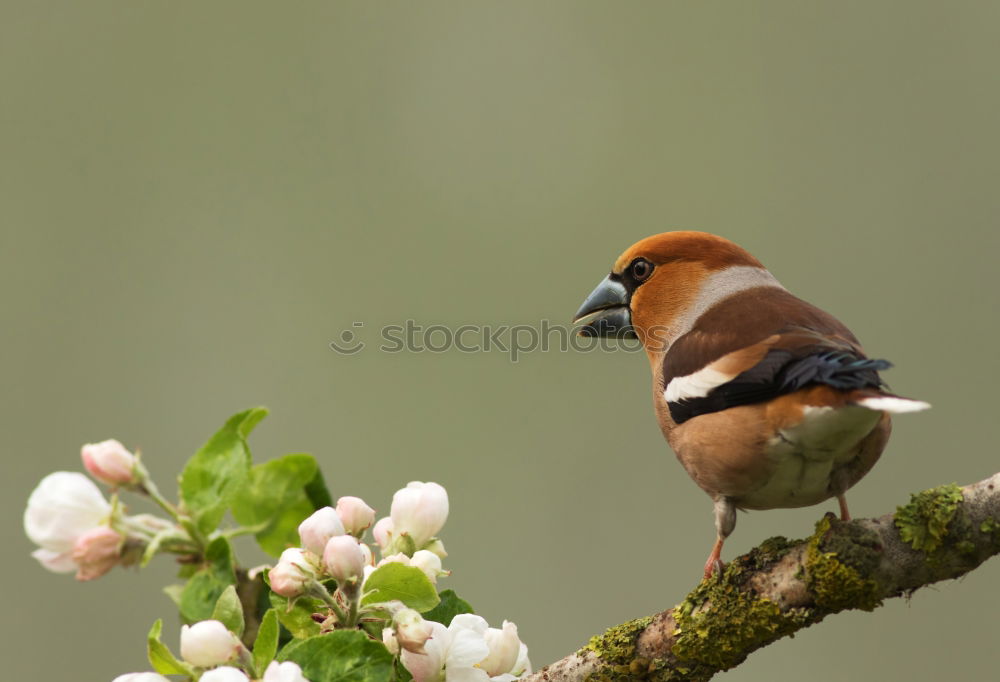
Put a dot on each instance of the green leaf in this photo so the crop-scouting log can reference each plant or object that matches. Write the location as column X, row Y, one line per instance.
column 276, row 496
column 174, row 592
column 266, row 644
column 341, row 656
column 160, row 657
column 297, row 619
column 197, row 601
column 218, row 470
column 408, row 584
column 451, row 605
column 229, row 611
column 401, row 674
column 317, row 491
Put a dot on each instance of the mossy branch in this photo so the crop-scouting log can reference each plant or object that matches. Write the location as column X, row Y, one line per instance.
column 783, row 586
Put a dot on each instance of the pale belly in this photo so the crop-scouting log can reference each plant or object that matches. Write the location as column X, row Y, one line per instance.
column 805, row 457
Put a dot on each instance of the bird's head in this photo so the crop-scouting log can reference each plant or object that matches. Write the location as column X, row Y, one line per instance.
column 656, row 284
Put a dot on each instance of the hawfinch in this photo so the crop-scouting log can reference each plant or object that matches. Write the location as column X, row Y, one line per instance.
column 768, row 401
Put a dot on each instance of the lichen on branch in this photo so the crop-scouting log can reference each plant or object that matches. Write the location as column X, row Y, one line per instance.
column 784, row 585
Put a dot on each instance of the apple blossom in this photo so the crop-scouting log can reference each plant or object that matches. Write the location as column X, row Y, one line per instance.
column 141, row 677
column 366, row 554
column 383, row 533
column 505, row 648
column 437, row 547
column 109, row 462
column 429, row 563
column 317, row 530
column 208, row 643
column 343, row 559
column 96, row 552
column 292, row 573
column 224, row 674
column 283, row 672
column 63, row 506
column 469, row 650
column 454, row 650
column 412, row 631
column 523, row 664
column 356, row 516
column 390, row 641
column 419, row 510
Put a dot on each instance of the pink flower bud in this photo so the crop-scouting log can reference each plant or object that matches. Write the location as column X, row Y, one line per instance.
column 224, row 674
column 207, row 643
column 292, row 573
column 343, row 559
column 383, row 533
column 96, row 552
column 283, row 672
column 317, row 530
column 109, row 462
column 419, row 510
column 412, row 631
column 355, row 515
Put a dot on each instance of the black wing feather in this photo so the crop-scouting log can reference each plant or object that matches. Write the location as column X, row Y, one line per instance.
column 784, row 371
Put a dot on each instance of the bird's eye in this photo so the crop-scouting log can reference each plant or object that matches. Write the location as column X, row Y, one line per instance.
column 641, row 269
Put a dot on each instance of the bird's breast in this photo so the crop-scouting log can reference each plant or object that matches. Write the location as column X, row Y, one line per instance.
column 804, row 457
column 781, row 454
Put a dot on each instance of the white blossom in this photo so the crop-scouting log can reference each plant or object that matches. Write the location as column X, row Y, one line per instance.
column 283, row 672
column 224, row 674
column 63, row 506
column 469, row 650
column 208, row 643
column 419, row 510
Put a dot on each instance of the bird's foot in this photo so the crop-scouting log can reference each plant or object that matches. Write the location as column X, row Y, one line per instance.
column 714, row 562
column 712, row 566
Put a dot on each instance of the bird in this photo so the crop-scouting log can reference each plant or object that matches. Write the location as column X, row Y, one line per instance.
column 767, row 401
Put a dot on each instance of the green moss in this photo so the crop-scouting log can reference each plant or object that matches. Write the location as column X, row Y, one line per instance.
column 719, row 623
column 923, row 523
column 832, row 572
column 617, row 644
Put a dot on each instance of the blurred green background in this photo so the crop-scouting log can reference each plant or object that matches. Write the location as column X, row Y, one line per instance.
column 198, row 197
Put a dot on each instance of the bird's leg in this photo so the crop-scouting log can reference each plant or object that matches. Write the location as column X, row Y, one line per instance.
column 839, row 483
column 725, row 522
column 845, row 515
column 714, row 561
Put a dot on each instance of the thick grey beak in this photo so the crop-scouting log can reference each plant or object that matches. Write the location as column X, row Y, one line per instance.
column 607, row 310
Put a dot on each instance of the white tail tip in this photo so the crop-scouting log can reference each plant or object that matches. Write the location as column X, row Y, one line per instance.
column 893, row 404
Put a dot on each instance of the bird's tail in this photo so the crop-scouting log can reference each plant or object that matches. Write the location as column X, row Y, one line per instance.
column 887, row 402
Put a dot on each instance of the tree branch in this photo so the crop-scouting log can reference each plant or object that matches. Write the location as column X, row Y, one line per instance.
column 783, row 586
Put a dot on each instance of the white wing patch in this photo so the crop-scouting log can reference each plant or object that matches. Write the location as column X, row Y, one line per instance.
column 696, row 385
column 893, row 404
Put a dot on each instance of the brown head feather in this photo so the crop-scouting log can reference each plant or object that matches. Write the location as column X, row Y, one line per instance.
column 709, row 250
